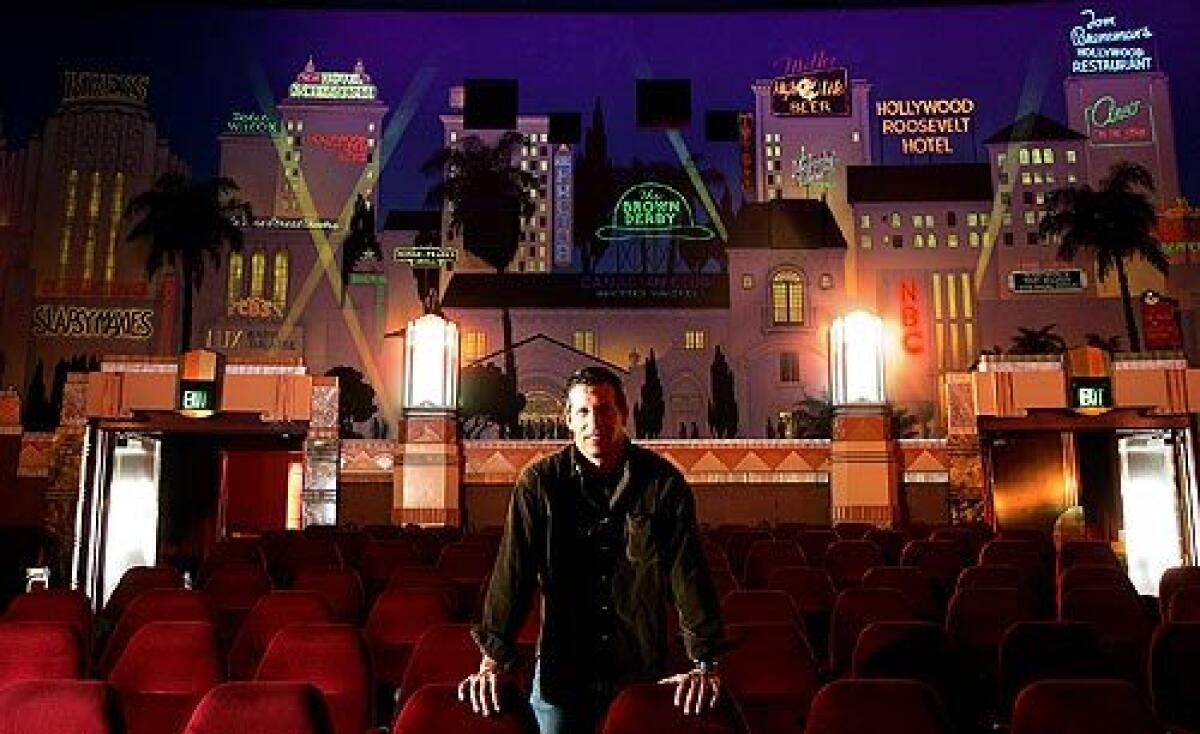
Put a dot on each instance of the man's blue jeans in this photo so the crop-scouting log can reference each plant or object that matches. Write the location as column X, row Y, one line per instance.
column 555, row 719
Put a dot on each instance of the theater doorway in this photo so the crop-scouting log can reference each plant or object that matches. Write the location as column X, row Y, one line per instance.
column 1124, row 478
column 166, row 491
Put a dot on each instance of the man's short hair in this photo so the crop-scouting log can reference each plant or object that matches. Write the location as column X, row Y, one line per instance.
column 594, row 376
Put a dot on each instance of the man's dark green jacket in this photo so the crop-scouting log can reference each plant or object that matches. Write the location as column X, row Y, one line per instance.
column 656, row 564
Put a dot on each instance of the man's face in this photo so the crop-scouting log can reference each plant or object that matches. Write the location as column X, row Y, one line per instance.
column 597, row 422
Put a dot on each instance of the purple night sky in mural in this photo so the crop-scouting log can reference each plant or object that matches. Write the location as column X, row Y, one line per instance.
column 205, row 64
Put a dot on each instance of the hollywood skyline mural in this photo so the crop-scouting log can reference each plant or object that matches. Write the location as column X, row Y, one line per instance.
column 942, row 79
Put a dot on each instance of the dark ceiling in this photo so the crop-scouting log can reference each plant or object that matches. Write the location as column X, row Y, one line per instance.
column 568, row 5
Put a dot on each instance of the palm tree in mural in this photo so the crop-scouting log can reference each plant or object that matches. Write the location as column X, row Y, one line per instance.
column 1116, row 222
column 486, row 196
column 183, row 221
column 1038, row 341
column 812, row 417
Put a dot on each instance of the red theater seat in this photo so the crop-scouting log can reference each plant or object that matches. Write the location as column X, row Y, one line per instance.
column 847, row 561
column 771, row 673
column 273, row 612
column 976, row 619
column 998, row 576
column 1120, row 622
column 767, row 555
column 57, row 707
column 1033, row 651
column 331, row 657
column 814, row 543
column 1174, row 579
column 261, row 708
column 966, row 540
column 853, row 611
column 396, row 622
column 137, row 580
column 444, row 654
column 759, row 607
column 299, row 553
column 911, row 581
column 164, row 671
column 876, row 707
column 1185, row 605
column 910, row 650
column 340, row 587
column 436, row 708
column 1020, row 553
column 1075, row 552
column 890, row 542
column 38, row 651
column 233, row 589
column 1081, row 707
column 381, row 557
column 1092, row 576
column 853, row 530
column 737, row 545
column 813, row 594
column 231, row 551
column 650, row 707
column 155, row 605
column 62, row 606
column 1174, row 676
column 939, row 558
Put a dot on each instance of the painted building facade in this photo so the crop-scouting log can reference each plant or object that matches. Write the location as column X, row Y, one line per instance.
column 72, row 284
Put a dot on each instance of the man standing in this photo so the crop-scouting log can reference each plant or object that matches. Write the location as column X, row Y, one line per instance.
column 608, row 530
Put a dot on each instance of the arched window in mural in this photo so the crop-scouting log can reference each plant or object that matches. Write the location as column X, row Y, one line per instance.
column 543, row 415
column 258, row 273
column 279, row 284
column 787, row 297
column 237, row 271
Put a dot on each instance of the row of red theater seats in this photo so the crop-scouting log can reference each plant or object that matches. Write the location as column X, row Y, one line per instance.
column 845, row 707
column 978, row 617
column 771, row 671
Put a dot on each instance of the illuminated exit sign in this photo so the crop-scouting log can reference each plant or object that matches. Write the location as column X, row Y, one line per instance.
column 197, row 398
column 1088, row 394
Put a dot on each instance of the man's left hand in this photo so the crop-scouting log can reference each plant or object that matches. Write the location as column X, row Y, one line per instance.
column 696, row 690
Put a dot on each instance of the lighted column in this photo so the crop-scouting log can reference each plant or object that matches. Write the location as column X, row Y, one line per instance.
column 427, row 486
column 865, row 478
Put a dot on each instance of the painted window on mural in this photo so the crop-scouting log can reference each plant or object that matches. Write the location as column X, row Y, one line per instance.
column 258, row 274
column 474, row 345
column 585, row 341
column 279, row 285
column 237, row 271
column 789, row 367
column 787, row 297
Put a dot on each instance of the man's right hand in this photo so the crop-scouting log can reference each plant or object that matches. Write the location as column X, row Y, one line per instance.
column 483, row 688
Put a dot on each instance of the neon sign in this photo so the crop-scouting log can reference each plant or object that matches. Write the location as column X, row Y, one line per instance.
column 1111, row 123
column 564, row 183
column 252, row 123
column 652, row 210
column 333, row 85
column 98, row 85
column 814, row 169
column 799, row 65
column 294, row 223
column 1103, row 48
column 83, row 322
column 817, row 93
column 1054, row 280
column 913, row 338
column 925, row 126
column 746, row 141
column 348, row 147
column 254, row 307
column 424, row 257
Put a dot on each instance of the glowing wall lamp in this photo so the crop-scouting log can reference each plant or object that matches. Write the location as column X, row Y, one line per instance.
column 431, row 365
column 856, row 359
